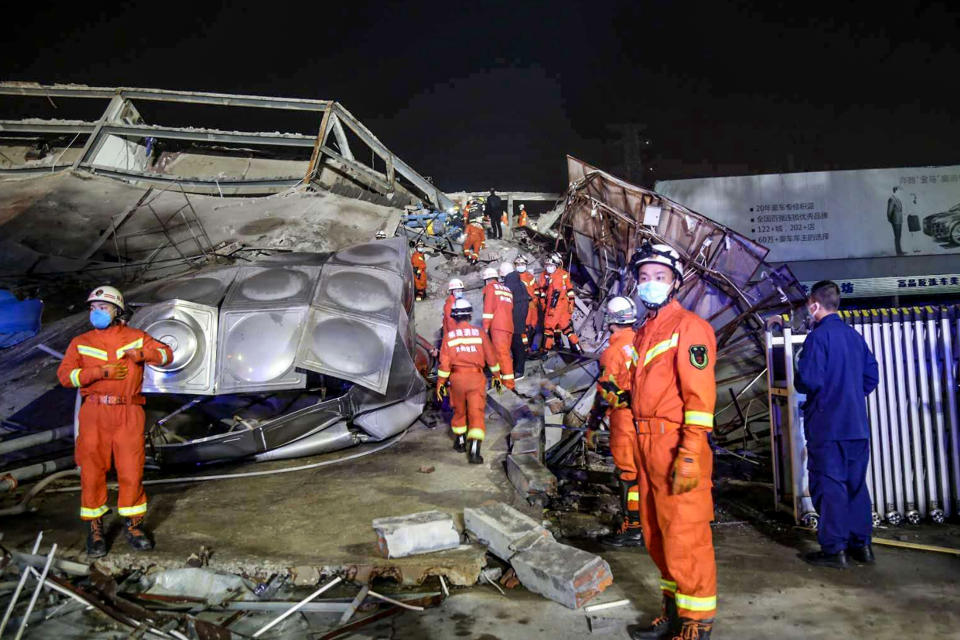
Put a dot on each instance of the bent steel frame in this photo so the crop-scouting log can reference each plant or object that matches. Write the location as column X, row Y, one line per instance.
column 122, row 119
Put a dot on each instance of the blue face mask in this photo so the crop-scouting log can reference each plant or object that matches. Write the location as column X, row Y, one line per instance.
column 458, row 293
column 100, row 319
column 653, row 292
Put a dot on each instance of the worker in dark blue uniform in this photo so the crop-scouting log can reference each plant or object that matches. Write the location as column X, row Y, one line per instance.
column 837, row 371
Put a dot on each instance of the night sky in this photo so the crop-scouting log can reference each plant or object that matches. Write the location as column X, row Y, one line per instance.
column 497, row 93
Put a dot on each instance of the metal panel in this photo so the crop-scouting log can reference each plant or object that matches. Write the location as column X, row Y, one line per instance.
column 367, row 290
column 904, row 452
column 190, row 330
column 936, row 408
column 207, row 288
column 950, row 400
column 269, row 286
column 933, row 501
column 257, row 348
column 883, row 426
column 913, row 401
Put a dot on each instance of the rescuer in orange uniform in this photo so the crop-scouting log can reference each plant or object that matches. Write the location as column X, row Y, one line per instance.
column 522, row 217
column 558, row 300
column 455, row 287
column 419, row 263
column 475, row 240
column 106, row 364
column 618, row 362
column 673, row 400
column 466, row 348
column 498, row 321
column 530, row 282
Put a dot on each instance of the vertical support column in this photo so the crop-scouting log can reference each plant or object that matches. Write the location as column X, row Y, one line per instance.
column 391, row 172
column 111, row 114
column 510, row 213
column 312, row 168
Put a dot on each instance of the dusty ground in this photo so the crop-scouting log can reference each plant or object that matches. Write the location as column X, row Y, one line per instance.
column 321, row 518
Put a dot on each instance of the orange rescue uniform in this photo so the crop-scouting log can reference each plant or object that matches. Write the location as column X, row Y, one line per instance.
column 476, row 237
column 530, row 282
column 522, row 218
column 618, row 362
column 558, row 300
column 498, row 320
column 465, row 350
column 111, row 416
column 447, row 318
column 419, row 263
column 673, row 398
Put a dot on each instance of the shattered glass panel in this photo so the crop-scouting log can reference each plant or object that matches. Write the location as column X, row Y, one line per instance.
column 190, row 330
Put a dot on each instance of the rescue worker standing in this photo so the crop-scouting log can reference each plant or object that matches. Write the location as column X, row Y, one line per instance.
column 522, row 217
column 455, row 287
column 106, row 364
column 673, row 398
column 419, row 263
column 837, row 371
column 530, row 282
column 465, row 349
column 558, row 300
column 521, row 302
column 475, row 240
column 498, row 322
column 618, row 362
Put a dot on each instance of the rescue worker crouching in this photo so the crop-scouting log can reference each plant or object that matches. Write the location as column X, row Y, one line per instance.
column 419, row 263
column 106, row 364
column 475, row 240
column 618, row 362
column 673, row 399
column 465, row 350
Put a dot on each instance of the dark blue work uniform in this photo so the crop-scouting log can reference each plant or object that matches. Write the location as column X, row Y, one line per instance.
column 837, row 371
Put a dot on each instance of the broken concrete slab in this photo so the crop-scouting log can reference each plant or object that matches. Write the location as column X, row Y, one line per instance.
column 529, row 476
column 401, row 536
column 562, row 573
column 510, row 406
column 503, row 529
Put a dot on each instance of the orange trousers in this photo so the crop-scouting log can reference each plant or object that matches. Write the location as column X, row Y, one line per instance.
column 555, row 322
column 501, row 344
column 111, row 431
column 468, row 396
column 623, row 446
column 471, row 247
column 677, row 527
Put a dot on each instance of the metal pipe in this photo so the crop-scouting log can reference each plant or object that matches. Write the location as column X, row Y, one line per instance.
column 875, row 467
column 41, row 437
column 898, row 340
column 36, row 592
column 933, row 502
column 16, row 592
column 803, row 503
column 950, row 398
column 893, row 433
column 936, row 404
column 851, row 320
column 889, row 507
column 295, row 607
column 916, row 429
column 11, row 479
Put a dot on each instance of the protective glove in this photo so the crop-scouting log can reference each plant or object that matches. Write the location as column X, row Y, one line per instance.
column 441, row 392
column 116, row 371
column 496, row 382
column 134, row 355
column 621, row 399
column 686, row 471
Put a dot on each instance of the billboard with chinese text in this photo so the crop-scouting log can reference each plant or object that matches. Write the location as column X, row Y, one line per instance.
column 834, row 214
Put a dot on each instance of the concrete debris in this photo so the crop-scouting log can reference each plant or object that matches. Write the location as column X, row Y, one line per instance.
column 510, row 406
column 509, row 579
column 598, row 624
column 529, row 477
column 213, row 587
column 525, row 437
column 503, row 529
column 401, row 536
column 426, row 469
column 562, row 573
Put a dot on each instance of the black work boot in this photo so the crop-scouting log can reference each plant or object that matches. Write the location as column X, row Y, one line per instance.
column 663, row 627
column 832, row 560
column 460, row 443
column 136, row 536
column 694, row 629
column 474, row 457
column 96, row 543
column 863, row 555
column 630, row 534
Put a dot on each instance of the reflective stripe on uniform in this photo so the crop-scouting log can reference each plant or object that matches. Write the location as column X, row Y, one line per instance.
column 458, row 431
column 92, row 513
column 136, row 344
column 694, row 603
column 93, row 352
column 458, row 341
column 495, row 368
column 163, row 357
column 698, row 418
column 507, row 376
column 668, row 585
column 132, row 511
column 75, row 377
column 488, row 316
column 443, row 374
column 475, row 434
column 662, row 347
column 633, row 496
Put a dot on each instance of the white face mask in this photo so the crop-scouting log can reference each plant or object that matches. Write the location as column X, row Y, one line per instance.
column 521, row 268
column 654, row 292
column 551, row 268
column 457, row 293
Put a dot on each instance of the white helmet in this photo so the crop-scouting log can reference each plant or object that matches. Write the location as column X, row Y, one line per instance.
column 381, row 235
column 489, row 273
column 555, row 258
column 520, row 260
column 660, row 254
column 621, row 310
column 521, row 205
column 455, row 283
column 506, row 268
column 106, row 294
column 461, row 310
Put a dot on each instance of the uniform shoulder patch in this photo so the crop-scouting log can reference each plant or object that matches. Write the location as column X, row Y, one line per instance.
column 698, row 356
